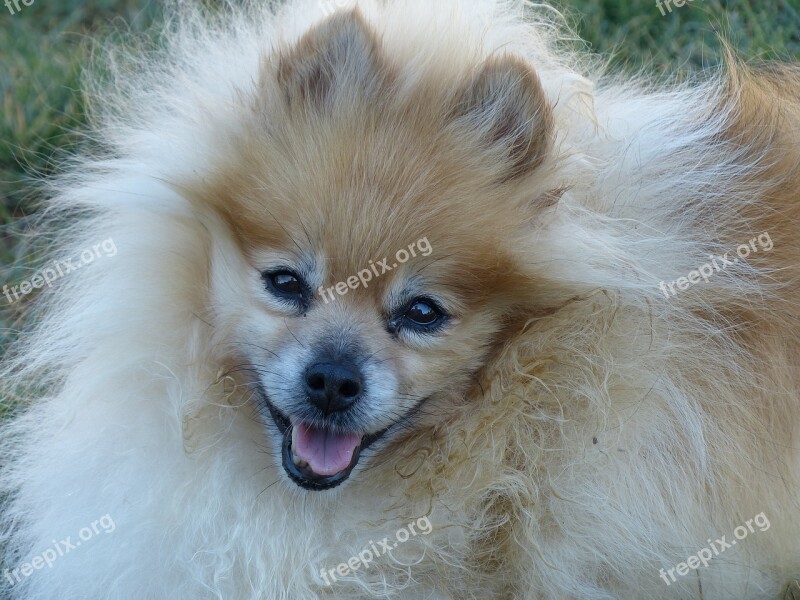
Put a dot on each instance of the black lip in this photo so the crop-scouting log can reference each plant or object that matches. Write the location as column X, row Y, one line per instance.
column 305, row 478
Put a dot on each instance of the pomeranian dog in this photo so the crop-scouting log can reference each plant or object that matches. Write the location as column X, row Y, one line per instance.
column 408, row 299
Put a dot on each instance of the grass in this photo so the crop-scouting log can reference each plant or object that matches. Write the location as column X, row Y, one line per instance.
column 687, row 38
column 45, row 45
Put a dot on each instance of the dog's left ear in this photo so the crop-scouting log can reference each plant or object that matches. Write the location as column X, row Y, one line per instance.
column 340, row 56
column 505, row 110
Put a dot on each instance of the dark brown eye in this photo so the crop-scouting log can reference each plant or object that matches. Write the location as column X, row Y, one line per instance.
column 285, row 284
column 424, row 313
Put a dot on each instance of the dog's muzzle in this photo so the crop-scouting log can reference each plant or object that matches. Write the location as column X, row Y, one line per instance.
column 319, row 458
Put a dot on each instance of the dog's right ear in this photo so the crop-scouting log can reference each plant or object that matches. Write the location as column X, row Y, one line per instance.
column 338, row 57
column 503, row 108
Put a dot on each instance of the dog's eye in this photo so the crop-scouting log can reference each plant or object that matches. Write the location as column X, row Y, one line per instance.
column 423, row 314
column 285, row 284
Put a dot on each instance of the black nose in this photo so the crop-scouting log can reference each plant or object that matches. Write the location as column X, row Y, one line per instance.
column 333, row 387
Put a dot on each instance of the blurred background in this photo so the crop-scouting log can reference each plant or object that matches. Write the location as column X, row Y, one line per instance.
column 44, row 46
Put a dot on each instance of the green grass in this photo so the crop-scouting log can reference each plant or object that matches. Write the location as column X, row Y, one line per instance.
column 44, row 47
column 687, row 38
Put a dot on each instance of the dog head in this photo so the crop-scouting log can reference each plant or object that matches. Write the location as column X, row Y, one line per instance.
column 378, row 214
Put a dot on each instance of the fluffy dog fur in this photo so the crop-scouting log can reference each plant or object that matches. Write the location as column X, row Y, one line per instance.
column 581, row 430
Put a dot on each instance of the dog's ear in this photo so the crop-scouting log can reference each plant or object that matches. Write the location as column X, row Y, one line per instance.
column 338, row 57
column 504, row 109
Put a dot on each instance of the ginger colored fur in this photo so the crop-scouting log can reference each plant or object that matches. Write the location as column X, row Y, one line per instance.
column 581, row 431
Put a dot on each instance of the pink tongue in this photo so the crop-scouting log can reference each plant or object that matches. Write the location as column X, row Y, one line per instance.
column 325, row 452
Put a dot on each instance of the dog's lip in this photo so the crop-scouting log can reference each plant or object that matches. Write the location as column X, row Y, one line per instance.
column 306, row 478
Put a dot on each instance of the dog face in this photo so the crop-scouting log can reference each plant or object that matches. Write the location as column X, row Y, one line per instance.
column 378, row 226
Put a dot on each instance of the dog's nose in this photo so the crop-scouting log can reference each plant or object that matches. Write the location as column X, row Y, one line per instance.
column 333, row 387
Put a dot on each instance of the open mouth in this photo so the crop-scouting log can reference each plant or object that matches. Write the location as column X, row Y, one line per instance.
column 318, row 458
